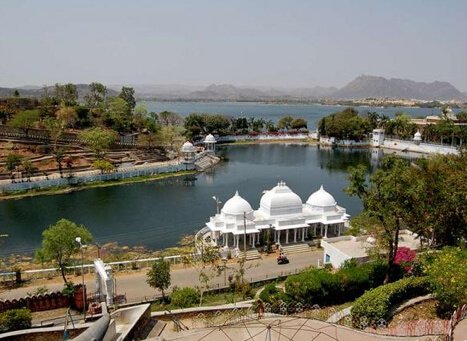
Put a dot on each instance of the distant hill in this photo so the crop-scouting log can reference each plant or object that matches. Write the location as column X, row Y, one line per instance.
column 360, row 88
column 33, row 91
column 380, row 87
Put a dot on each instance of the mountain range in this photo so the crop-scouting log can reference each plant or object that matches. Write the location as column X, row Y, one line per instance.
column 361, row 87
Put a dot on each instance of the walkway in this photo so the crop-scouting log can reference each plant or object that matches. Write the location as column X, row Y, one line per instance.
column 135, row 287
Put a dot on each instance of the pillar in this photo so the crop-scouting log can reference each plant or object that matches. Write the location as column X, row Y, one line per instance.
column 294, row 235
column 339, row 231
column 303, row 233
column 238, row 240
column 287, row 236
column 279, row 236
column 325, row 231
column 253, row 240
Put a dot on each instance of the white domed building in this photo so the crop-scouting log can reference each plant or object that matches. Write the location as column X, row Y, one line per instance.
column 188, row 151
column 282, row 218
column 321, row 210
column 210, row 143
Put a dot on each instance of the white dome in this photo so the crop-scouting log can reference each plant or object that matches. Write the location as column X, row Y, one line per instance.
column 281, row 200
column 417, row 136
column 321, row 198
column 210, row 139
column 237, row 206
column 188, row 147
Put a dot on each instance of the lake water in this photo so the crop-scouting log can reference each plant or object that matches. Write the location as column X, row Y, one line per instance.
column 156, row 214
column 311, row 112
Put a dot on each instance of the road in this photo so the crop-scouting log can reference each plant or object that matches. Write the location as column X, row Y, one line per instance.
column 135, row 287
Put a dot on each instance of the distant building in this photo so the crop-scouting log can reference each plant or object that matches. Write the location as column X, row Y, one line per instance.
column 282, row 217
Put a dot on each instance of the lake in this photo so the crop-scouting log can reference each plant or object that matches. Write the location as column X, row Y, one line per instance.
column 311, row 112
column 156, row 214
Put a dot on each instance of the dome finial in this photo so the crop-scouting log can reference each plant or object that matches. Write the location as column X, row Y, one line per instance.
column 321, row 188
column 236, row 193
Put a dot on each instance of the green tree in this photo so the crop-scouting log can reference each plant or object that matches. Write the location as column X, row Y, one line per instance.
column 128, row 95
column 96, row 95
column 103, row 165
column 388, row 197
column 66, row 94
column 184, row 297
column 66, row 116
column 99, row 140
column 28, row 168
column 16, row 93
column 15, row 319
column 25, row 120
column 12, row 162
column 167, row 118
column 299, row 123
column 158, row 277
column 118, row 114
column 59, row 243
column 284, row 123
column 447, row 271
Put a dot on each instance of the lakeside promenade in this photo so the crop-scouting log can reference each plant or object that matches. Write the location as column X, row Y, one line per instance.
column 134, row 285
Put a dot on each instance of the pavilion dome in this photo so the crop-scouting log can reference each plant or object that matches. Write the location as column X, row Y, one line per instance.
column 237, row 206
column 321, row 198
column 210, row 139
column 188, row 147
column 417, row 136
column 281, row 200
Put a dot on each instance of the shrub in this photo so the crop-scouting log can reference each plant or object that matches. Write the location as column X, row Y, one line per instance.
column 313, row 286
column 185, row 297
column 376, row 304
column 15, row 319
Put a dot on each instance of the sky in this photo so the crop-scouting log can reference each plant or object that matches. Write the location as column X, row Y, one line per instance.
column 244, row 42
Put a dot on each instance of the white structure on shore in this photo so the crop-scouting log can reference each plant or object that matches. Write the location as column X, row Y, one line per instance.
column 210, row 143
column 282, row 218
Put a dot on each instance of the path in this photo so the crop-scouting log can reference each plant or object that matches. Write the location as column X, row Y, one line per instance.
column 135, row 287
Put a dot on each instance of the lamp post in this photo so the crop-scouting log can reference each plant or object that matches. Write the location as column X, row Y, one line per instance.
column 82, row 246
column 218, row 202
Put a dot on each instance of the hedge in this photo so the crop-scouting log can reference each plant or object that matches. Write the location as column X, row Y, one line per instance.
column 185, row 297
column 376, row 304
column 15, row 319
column 320, row 286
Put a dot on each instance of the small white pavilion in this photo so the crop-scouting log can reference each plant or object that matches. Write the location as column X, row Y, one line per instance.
column 281, row 216
column 188, row 151
column 210, row 143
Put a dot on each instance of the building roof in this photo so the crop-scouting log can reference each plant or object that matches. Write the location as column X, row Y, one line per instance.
column 210, row 139
column 237, row 206
column 280, row 200
column 188, row 147
column 321, row 198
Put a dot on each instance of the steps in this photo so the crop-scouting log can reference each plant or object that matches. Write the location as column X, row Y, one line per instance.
column 251, row 254
column 295, row 248
column 206, row 161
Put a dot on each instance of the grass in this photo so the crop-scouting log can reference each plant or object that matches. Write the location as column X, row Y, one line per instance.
column 95, row 184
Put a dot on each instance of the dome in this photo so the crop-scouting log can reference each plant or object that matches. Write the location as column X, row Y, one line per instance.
column 188, row 147
column 281, row 200
column 417, row 136
column 210, row 139
column 321, row 198
column 237, row 206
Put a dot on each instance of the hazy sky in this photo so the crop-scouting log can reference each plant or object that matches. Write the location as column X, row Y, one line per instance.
column 269, row 43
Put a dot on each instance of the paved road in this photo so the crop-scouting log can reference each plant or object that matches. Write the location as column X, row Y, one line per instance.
column 135, row 287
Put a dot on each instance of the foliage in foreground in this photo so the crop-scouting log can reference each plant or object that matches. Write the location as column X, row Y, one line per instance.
column 376, row 304
column 447, row 272
column 159, row 276
column 59, row 243
column 15, row 319
column 185, row 297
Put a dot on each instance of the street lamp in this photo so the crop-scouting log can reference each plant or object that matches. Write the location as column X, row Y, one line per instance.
column 82, row 246
column 218, row 202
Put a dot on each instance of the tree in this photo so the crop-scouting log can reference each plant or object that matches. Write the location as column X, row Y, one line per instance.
column 387, row 197
column 12, row 161
column 128, row 95
column 28, row 168
column 16, row 93
column 66, row 94
column 284, row 123
column 66, row 116
column 55, row 128
column 158, row 277
column 119, row 117
column 96, row 95
column 103, row 165
column 25, row 120
column 98, row 140
column 447, row 271
column 59, row 243
column 167, row 118
column 299, row 123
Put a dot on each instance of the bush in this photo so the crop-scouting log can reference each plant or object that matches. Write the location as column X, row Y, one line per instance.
column 185, row 297
column 376, row 304
column 314, row 286
column 15, row 319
